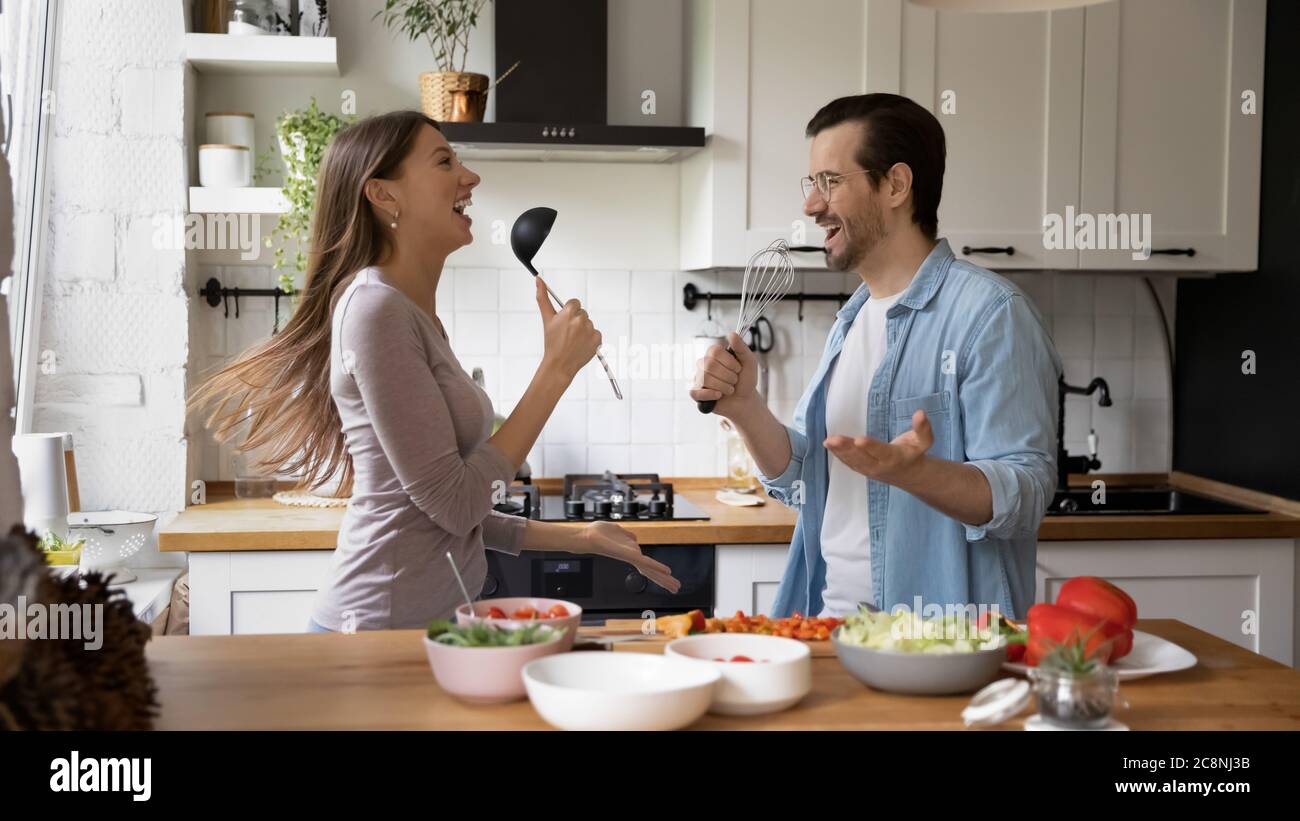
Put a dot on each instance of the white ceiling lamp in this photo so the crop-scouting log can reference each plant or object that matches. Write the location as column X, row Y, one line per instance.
column 1005, row 5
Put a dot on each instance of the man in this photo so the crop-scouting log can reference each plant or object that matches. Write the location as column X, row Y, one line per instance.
column 922, row 455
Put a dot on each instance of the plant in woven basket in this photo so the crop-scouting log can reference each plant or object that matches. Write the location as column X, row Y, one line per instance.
column 445, row 24
column 301, row 138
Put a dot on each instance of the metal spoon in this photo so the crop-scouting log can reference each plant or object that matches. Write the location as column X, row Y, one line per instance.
column 526, row 237
column 456, row 571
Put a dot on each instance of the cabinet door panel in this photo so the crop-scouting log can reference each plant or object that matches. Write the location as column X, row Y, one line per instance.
column 1165, row 136
column 802, row 56
column 1007, row 91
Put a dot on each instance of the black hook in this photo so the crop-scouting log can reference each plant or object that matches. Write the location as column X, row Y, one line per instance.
column 275, row 314
column 236, row 290
column 708, row 302
column 801, row 307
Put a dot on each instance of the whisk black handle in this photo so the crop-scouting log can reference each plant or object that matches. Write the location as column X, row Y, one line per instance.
column 707, row 405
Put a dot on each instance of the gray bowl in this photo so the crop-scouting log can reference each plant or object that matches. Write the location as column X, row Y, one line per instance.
column 921, row 674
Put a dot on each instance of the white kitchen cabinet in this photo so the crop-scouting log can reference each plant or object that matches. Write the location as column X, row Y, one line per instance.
column 1126, row 108
column 747, row 576
column 1007, row 89
column 263, row 591
column 1164, row 130
column 1211, row 584
column 757, row 72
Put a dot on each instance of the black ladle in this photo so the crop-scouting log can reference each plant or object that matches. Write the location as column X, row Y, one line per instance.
column 526, row 237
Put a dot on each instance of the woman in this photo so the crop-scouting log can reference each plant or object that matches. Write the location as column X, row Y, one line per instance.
column 363, row 383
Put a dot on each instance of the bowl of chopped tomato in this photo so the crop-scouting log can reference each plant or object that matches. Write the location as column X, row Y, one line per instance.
column 760, row 673
column 520, row 611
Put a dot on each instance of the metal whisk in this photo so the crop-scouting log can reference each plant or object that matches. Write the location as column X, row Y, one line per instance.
column 768, row 277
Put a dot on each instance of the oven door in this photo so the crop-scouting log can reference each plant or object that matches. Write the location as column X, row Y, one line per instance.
column 605, row 588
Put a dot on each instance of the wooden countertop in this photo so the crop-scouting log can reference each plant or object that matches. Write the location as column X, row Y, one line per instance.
column 381, row 680
column 229, row 524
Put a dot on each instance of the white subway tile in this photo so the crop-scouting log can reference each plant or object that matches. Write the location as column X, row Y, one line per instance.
column 651, row 422
column 567, row 424
column 517, row 290
column 695, row 460
column 516, row 374
column 1115, row 295
column 1073, row 335
column 653, row 292
column 476, row 289
column 651, row 459
column 692, row 427
column 1114, row 427
column 608, row 422
column 608, row 290
column 1151, row 378
column 562, row 459
column 568, row 284
column 1114, row 337
column 609, row 457
column 1072, row 295
column 476, row 334
column 521, row 333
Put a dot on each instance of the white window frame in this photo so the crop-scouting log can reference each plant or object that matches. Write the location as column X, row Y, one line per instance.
column 28, row 272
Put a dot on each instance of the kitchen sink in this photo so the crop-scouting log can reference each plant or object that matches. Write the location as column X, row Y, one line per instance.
column 1132, row 501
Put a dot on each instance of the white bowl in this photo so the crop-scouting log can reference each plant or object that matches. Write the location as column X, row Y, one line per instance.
column 779, row 677
column 619, row 691
column 569, row 624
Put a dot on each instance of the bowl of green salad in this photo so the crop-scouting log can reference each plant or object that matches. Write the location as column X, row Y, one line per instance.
column 906, row 653
column 482, row 662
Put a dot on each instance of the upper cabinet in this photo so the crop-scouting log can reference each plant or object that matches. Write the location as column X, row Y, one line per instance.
column 1172, row 125
column 1112, row 123
column 1007, row 90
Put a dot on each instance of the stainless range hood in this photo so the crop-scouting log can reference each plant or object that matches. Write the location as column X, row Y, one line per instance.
column 562, row 142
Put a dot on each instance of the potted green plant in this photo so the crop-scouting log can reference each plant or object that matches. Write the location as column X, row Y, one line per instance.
column 301, row 138
column 450, row 93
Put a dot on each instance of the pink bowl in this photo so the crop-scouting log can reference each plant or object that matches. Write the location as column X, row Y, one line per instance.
column 569, row 623
column 485, row 675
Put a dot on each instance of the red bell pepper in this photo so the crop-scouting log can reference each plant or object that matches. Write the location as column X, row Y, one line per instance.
column 1100, row 599
column 1051, row 625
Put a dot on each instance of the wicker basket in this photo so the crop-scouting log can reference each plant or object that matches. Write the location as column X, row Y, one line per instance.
column 436, row 88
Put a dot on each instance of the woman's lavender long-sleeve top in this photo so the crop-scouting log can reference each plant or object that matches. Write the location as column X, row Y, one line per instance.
column 416, row 428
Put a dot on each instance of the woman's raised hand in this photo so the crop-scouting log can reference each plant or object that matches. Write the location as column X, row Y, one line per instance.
column 570, row 339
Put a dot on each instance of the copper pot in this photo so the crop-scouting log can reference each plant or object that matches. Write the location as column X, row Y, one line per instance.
column 467, row 106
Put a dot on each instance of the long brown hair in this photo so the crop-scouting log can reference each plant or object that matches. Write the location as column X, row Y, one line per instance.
column 280, row 389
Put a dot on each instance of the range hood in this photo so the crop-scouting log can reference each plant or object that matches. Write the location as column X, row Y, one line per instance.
column 563, row 142
column 565, row 102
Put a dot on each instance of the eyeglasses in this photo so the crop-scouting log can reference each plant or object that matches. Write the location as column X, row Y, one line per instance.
column 824, row 181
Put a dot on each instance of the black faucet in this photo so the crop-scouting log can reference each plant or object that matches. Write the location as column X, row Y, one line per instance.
column 1065, row 463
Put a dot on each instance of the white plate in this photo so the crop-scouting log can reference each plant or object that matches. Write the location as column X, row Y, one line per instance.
column 1151, row 655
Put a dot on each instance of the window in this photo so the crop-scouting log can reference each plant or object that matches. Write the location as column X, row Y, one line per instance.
column 26, row 106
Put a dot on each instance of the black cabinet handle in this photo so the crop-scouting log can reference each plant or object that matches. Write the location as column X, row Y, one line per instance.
column 1175, row 252
column 991, row 249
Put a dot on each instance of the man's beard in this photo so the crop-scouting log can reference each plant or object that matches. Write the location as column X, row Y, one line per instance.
column 860, row 238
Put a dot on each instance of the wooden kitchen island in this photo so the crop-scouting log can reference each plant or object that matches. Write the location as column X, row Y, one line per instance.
column 382, row 681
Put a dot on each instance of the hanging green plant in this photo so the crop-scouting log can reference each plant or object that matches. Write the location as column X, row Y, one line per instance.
column 301, row 137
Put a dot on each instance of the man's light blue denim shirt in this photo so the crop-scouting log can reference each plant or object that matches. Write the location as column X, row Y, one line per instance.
column 967, row 347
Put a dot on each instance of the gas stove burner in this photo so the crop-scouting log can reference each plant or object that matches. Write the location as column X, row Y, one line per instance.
column 520, row 500
column 617, row 497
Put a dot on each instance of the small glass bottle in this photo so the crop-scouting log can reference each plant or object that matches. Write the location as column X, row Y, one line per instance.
column 249, row 17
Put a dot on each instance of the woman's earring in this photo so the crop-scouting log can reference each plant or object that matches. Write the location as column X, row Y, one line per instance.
column 393, row 224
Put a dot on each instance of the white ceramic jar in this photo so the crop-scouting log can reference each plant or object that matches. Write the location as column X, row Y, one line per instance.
column 223, row 165
column 229, row 128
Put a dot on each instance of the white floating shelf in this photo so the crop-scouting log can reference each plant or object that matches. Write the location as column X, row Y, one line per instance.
column 237, row 201
column 266, row 54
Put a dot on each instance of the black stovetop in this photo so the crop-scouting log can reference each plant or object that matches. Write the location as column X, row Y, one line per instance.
column 607, row 496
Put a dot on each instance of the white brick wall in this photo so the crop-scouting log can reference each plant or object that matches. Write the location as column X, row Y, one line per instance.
column 1104, row 326
column 114, row 314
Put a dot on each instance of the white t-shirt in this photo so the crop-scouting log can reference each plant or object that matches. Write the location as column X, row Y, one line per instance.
column 846, row 541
